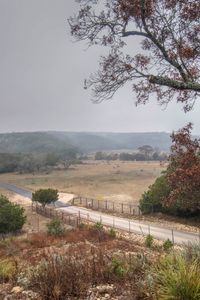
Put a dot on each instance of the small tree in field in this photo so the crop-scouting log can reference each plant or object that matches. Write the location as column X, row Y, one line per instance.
column 45, row 196
column 12, row 216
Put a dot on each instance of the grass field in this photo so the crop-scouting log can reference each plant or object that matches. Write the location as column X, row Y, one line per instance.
column 117, row 181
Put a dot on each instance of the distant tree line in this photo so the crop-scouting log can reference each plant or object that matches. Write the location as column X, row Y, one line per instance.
column 144, row 153
column 35, row 162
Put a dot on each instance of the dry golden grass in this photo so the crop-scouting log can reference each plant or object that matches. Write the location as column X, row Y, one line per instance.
column 117, row 181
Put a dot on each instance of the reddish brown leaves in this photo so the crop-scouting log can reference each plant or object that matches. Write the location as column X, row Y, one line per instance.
column 169, row 33
column 130, row 8
column 183, row 173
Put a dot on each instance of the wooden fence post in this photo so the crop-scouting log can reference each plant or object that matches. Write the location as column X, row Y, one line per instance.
column 173, row 236
column 113, row 222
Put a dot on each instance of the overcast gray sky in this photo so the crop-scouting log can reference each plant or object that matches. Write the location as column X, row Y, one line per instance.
column 42, row 73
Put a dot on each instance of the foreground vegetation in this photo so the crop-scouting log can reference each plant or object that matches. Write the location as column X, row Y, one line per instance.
column 92, row 262
column 74, row 264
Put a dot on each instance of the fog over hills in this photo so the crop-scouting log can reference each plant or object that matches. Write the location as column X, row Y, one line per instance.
column 85, row 142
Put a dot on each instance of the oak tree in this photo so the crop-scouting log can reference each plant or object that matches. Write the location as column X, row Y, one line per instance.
column 45, row 196
column 183, row 172
column 168, row 64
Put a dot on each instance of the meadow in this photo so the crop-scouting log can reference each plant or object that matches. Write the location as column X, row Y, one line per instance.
column 116, row 180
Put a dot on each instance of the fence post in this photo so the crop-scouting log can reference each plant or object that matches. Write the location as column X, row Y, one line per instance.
column 173, row 236
column 122, row 210
column 79, row 217
column 106, row 202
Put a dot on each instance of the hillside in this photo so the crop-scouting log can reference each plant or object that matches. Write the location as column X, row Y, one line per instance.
column 44, row 142
column 87, row 141
column 32, row 142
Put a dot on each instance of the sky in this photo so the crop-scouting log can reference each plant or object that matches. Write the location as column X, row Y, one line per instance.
column 42, row 71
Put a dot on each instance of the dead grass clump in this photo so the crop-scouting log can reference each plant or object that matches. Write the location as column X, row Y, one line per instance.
column 66, row 276
column 9, row 247
column 8, row 269
column 39, row 240
column 58, row 277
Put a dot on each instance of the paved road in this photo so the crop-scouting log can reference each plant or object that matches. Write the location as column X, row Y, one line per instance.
column 158, row 232
column 161, row 233
column 25, row 193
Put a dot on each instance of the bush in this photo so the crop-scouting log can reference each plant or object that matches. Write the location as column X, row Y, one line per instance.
column 177, row 279
column 12, row 216
column 151, row 200
column 112, row 233
column 167, row 245
column 98, row 226
column 45, row 196
column 149, row 241
column 118, row 267
column 8, row 269
column 64, row 277
column 55, row 227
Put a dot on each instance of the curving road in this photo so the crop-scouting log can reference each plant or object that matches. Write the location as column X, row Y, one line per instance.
column 138, row 227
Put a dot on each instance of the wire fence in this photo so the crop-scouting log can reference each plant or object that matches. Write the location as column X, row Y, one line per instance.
column 107, row 206
column 122, row 224
column 51, row 212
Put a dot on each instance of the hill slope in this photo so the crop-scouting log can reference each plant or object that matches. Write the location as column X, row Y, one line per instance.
column 44, row 142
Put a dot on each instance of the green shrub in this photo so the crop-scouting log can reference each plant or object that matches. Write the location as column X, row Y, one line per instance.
column 149, row 241
column 177, row 279
column 112, row 233
column 151, row 200
column 98, row 226
column 167, row 245
column 12, row 216
column 82, row 226
column 8, row 269
column 118, row 267
column 45, row 196
column 55, row 227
